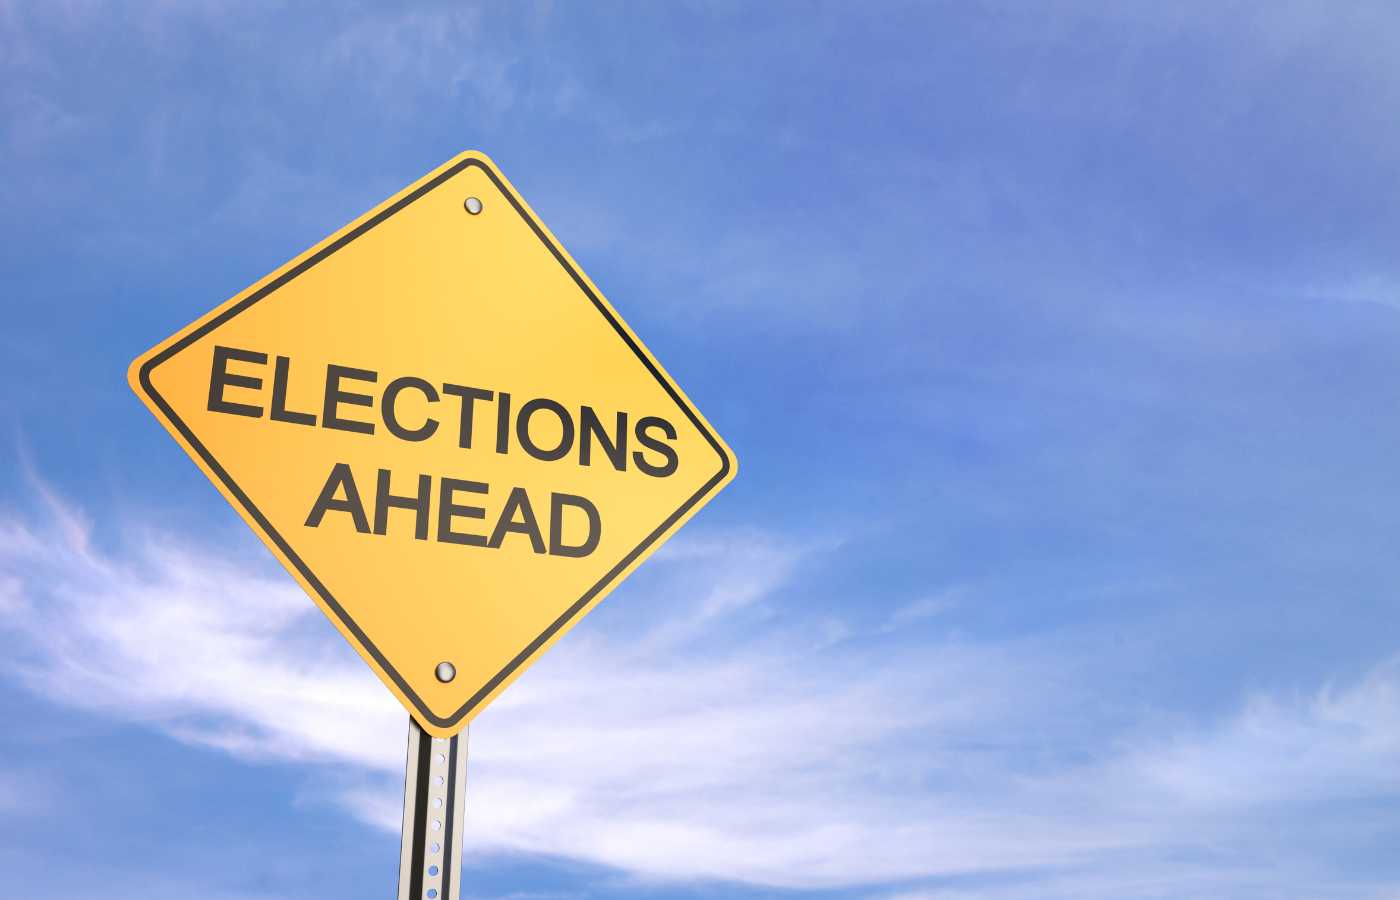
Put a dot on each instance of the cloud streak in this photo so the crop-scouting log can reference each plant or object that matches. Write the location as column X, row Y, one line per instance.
column 711, row 750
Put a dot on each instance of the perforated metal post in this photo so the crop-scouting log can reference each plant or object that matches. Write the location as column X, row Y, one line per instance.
column 434, row 799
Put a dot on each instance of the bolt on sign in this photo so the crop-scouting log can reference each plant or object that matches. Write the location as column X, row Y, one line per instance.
column 442, row 429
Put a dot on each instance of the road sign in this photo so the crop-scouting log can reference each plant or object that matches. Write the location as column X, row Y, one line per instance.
column 445, row 433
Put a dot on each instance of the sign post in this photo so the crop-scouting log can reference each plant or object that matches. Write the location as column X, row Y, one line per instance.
column 447, row 435
column 434, row 798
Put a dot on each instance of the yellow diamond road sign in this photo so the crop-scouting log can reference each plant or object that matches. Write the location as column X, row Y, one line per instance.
column 443, row 431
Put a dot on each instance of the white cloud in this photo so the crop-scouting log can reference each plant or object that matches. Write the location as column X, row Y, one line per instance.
column 924, row 608
column 716, row 750
column 174, row 637
column 1339, row 743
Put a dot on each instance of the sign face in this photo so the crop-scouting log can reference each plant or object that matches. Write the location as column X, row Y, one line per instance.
column 443, row 431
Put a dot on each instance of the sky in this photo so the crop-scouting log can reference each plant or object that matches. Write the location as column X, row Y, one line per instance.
column 1059, row 342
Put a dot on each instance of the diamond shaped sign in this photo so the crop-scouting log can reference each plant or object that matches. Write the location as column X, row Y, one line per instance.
column 445, row 433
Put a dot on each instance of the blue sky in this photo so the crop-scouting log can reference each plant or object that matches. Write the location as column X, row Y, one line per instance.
column 1060, row 345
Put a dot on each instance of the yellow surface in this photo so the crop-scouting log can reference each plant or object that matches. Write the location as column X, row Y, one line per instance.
column 419, row 287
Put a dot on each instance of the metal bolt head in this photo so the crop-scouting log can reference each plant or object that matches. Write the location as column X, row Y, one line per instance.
column 472, row 205
column 446, row 672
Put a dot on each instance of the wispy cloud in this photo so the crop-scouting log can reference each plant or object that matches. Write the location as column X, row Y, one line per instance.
column 714, row 753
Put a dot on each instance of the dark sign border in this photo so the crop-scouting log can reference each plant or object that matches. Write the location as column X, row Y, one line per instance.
column 321, row 590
